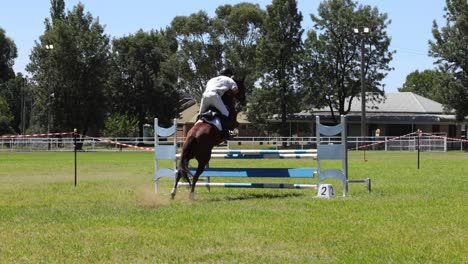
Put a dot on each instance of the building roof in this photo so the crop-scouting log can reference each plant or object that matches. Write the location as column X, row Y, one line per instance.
column 397, row 107
column 402, row 102
column 402, row 107
column 405, row 102
column 189, row 113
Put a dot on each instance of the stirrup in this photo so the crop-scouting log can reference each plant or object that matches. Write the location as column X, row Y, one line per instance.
column 232, row 134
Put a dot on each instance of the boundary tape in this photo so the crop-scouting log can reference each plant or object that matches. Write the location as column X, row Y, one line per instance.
column 448, row 138
column 152, row 149
column 384, row 141
column 37, row 135
column 121, row 144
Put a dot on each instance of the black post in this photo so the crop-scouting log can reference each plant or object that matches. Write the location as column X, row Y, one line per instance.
column 75, row 134
column 419, row 145
column 363, row 99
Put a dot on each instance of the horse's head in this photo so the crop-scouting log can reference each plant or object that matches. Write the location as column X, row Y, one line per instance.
column 240, row 96
column 231, row 99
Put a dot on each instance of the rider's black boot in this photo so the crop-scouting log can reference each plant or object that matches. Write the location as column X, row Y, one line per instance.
column 224, row 124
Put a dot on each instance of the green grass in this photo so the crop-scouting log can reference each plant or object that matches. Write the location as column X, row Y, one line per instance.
column 113, row 216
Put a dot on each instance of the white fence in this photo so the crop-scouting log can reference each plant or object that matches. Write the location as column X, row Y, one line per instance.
column 404, row 143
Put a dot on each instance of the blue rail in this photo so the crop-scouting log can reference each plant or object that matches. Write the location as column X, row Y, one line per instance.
column 259, row 172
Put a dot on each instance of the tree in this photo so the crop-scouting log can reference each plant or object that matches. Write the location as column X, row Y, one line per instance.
column 426, row 83
column 333, row 56
column 8, row 114
column 200, row 52
column 17, row 94
column 70, row 68
column 8, row 54
column 144, row 78
column 207, row 45
column 238, row 29
column 5, row 117
column 121, row 125
column 278, row 51
column 450, row 48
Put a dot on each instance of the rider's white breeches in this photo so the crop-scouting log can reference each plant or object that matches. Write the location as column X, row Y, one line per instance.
column 213, row 99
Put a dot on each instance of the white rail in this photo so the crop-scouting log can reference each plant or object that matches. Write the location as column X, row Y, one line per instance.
column 427, row 143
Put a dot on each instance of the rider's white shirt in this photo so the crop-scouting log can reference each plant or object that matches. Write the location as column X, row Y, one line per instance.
column 220, row 85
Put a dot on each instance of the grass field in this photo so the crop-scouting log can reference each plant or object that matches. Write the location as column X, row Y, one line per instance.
column 113, row 216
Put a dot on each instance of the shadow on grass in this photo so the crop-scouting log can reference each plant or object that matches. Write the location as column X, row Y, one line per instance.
column 252, row 196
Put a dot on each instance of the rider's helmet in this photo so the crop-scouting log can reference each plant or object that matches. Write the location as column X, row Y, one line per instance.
column 227, row 72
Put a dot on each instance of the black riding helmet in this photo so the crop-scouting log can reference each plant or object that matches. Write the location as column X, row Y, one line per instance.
column 227, row 72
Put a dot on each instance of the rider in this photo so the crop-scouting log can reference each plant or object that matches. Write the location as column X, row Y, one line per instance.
column 215, row 89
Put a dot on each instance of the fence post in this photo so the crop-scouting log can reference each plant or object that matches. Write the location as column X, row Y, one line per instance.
column 445, row 144
column 75, row 134
column 419, row 146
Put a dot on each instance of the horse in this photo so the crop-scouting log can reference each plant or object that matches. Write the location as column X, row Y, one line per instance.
column 203, row 137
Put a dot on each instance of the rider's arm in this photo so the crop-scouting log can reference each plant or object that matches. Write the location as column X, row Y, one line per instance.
column 233, row 87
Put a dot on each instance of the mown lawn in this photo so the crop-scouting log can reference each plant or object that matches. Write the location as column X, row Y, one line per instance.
column 113, row 215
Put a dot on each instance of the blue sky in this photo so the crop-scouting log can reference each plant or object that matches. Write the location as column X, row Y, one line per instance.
column 410, row 30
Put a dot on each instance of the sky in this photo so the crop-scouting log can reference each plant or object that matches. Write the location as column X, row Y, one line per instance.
column 410, row 30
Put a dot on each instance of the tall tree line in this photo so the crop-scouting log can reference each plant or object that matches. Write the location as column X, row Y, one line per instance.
column 333, row 55
column 8, row 53
column 70, row 69
column 448, row 82
column 81, row 78
column 450, row 48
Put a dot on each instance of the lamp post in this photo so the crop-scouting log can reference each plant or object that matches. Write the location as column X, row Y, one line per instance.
column 49, row 47
column 23, row 105
column 362, row 33
column 49, row 117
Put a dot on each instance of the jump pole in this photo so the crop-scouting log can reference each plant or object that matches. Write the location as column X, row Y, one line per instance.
column 253, row 185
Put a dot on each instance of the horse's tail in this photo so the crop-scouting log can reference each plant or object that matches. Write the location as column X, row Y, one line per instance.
column 185, row 158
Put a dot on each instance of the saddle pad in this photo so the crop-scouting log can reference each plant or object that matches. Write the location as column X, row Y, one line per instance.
column 215, row 122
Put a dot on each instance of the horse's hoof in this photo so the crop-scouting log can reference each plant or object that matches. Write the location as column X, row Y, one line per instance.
column 172, row 196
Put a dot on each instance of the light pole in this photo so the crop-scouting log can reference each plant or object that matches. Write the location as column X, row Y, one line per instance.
column 362, row 35
column 49, row 117
column 50, row 95
column 23, row 106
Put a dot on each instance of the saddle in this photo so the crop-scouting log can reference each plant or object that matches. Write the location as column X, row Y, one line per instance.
column 216, row 119
column 209, row 115
column 212, row 117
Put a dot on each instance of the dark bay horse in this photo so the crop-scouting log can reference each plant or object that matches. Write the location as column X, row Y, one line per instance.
column 203, row 137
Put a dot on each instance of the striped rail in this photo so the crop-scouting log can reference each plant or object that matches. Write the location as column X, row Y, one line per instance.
column 257, row 173
column 253, row 185
column 263, row 154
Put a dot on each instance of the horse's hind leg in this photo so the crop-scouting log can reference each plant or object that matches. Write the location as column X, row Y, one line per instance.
column 176, row 182
column 200, row 169
column 179, row 175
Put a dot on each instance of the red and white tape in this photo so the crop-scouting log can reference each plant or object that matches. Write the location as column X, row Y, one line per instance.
column 380, row 142
column 445, row 137
column 122, row 144
column 71, row 133
column 37, row 135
